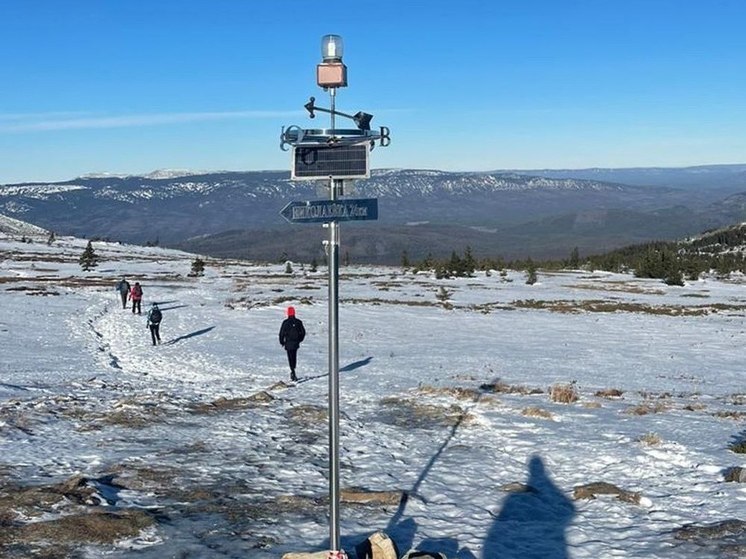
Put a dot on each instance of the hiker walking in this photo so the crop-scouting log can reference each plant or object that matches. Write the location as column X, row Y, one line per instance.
column 124, row 290
column 154, row 323
column 136, row 296
column 292, row 334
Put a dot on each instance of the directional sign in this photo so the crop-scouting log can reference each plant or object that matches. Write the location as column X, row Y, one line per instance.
column 323, row 211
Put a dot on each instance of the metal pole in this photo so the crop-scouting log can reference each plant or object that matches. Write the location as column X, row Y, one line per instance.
column 335, row 185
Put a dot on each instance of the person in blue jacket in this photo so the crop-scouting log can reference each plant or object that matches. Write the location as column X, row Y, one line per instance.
column 124, row 290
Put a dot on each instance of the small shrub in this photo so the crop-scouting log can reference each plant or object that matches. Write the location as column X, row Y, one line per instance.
column 443, row 294
column 198, row 268
column 564, row 393
column 89, row 259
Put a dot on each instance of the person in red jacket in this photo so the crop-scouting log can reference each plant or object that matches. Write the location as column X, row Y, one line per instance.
column 292, row 333
column 136, row 297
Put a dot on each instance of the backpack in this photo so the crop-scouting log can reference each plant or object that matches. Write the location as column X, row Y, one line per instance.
column 155, row 316
column 136, row 292
column 294, row 334
column 377, row 546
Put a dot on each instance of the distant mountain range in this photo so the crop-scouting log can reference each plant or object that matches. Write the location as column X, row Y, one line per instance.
column 513, row 214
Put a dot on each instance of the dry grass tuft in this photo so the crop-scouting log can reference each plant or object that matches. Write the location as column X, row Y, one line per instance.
column 564, row 393
column 533, row 411
column 646, row 408
column 500, row 387
column 455, row 391
column 650, row 439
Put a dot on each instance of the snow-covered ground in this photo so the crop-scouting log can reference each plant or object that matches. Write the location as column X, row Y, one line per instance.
column 444, row 396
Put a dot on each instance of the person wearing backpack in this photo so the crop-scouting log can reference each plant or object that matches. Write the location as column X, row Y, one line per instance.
column 154, row 323
column 124, row 290
column 292, row 333
column 136, row 296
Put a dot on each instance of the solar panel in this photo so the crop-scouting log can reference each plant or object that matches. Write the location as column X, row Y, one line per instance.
column 344, row 161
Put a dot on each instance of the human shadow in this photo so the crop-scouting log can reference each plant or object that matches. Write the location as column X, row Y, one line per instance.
column 356, row 365
column 532, row 522
column 187, row 336
column 159, row 303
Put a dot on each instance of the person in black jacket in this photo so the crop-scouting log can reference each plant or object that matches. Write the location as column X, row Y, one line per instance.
column 292, row 333
column 154, row 323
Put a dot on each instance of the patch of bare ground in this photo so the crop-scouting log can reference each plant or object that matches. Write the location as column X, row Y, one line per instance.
column 617, row 287
column 605, row 306
column 594, row 489
column 233, row 404
column 33, row 290
column 726, row 539
column 387, row 285
column 362, row 496
column 79, row 519
column 500, row 387
column 378, row 301
column 409, row 413
column 610, row 393
column 456, row 392
column 307, row 413
column 730, row 414
column 647, row 407
column 736, row 399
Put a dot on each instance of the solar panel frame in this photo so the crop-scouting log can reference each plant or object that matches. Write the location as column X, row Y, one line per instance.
column 340, row 161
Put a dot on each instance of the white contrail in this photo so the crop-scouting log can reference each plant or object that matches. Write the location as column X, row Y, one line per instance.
column 71, row 121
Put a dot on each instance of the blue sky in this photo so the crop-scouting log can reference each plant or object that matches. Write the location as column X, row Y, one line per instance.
column 137, row 85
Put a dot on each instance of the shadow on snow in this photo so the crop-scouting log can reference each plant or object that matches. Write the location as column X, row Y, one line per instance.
column 187, row 336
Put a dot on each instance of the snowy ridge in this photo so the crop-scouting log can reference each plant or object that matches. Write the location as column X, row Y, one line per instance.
column 12, row 226
column 39, row 191
column 393, row 183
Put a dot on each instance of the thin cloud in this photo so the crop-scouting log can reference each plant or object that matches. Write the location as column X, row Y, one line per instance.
column 58, row 121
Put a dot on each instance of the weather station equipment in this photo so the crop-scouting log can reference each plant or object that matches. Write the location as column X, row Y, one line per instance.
column 333, row 155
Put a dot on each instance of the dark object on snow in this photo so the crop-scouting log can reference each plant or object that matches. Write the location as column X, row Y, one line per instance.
column 416, row 554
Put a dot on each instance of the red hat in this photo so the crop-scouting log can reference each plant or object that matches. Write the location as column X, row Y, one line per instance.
column 291, row 311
